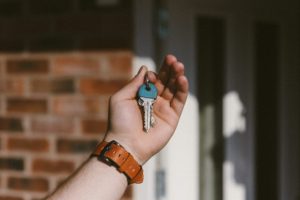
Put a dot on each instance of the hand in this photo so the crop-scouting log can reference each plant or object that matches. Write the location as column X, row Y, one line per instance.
column 126, row 116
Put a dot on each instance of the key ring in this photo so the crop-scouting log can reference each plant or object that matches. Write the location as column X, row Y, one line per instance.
column 147, row 81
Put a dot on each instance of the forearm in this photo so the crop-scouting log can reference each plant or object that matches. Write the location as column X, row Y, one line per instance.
column 93, row 181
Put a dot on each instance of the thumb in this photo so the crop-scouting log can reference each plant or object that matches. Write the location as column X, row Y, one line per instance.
column 130, row 89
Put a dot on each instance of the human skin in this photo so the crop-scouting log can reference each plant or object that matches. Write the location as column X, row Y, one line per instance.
column 95, row 180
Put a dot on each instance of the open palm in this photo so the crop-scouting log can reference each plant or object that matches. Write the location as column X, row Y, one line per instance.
column 126, row 116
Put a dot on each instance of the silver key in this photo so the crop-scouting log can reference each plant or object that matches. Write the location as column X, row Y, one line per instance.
column 146, row 97
column 148, row 106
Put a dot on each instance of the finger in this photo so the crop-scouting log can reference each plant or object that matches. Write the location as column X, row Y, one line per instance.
column 129, row 91
column 153, row 78
column 164, row 72
column 176, row 70
column 181, row 94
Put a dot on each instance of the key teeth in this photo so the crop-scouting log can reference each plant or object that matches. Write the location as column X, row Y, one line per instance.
column 152, row 121
column 147, row 115
column 145, row 126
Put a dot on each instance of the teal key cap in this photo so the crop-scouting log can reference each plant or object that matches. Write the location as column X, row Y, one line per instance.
column 147, row 95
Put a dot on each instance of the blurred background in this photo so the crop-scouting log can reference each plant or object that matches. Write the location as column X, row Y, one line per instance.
column 239, row 136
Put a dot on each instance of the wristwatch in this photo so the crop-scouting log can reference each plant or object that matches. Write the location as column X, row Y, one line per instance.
column 114, row 154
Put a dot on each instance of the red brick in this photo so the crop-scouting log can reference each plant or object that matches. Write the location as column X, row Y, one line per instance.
column 46, row 7
column 73, row 106
column 56, row 86
column 106, row 42
column 1, row 69
column 100, row 6
column 118, row 24
column 26, row 27
column 2, row 106
column 27, row 66
column 52, row 166
column 4, row 197
column 116, row 20
column 96, row 86
column 12, row 44
column 52, row 125
column 28, row 144
column 93, row 126
column 70, row 24
column 75, row 146
column 12, row 86
column 15, row 164
column 26, row 105
column 119, row 64
column 10, row 8
column 28, row 184
column 76, row 66
column 11, row 124
column 51, row 42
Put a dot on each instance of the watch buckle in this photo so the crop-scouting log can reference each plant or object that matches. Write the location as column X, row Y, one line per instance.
column 106, row 149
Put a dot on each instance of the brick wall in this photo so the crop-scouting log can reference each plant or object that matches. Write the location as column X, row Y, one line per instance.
column 63, row 25
column 53, row 111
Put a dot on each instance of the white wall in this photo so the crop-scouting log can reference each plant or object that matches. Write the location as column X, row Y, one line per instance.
column 182, row 156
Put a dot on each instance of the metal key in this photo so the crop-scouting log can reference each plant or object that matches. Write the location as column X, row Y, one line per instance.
column 146, row 97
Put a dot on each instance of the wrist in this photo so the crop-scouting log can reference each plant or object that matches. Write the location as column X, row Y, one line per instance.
column 114, row 154
column 129, row 144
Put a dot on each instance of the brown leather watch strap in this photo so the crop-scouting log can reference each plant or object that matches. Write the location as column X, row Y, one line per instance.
column 112, row 153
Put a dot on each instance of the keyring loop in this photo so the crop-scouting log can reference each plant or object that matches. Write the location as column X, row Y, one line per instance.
column 147, row 81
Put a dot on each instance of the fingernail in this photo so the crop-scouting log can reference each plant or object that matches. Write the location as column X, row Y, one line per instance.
column 140, row 70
